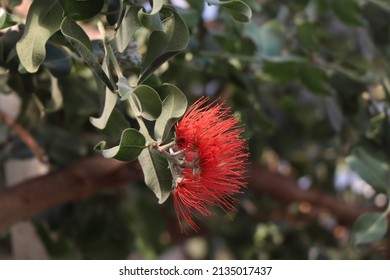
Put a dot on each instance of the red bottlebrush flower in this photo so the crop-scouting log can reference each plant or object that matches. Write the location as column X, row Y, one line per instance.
column 212, row 165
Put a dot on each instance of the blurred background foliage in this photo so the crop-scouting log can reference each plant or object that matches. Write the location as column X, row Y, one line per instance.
column 309, row 80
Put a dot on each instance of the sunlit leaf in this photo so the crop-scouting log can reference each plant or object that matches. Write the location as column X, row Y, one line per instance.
column 109, row 104
column 43, row 20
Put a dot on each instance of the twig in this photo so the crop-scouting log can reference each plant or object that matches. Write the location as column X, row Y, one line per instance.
column 25, row 136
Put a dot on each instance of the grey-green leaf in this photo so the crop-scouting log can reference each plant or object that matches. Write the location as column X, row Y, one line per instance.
column 147, row 102
column 124, row 88
column 43, row 20
column 109, row 104
column 128, row 27
column 157, row 5
column 370, row 169
column 368, row 228
column 173, row 108
column 80, row 41
column 164, row 44
column 157, row 174
column 130, row 146
column 56, row 101
column 238, row 9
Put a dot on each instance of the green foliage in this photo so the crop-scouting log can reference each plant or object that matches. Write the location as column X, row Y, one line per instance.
column 239, row 10
column 156, row 172
column 43, row 20
column 82, row 10
column 130, row 146
column 173, row 108
column 164, row 44
column 369, row 227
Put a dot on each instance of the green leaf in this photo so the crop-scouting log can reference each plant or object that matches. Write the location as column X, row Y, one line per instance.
column 369, row 227
column 116, row 124
column 315, row 79
column 269, row 39
column 80, row 41
column 283, row 68
column 84, row 9
column 173, row 107
column 147, row 102
column 128, row 27
column 7, row 19
column 239, row 10
column 43, row 20
column 370, row 169
column 157, row 174
column 130, row 146
column 347, row 10
column 334, row 114
column 109, row 104
column 164, row 44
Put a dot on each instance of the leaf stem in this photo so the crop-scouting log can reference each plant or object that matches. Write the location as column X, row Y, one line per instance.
column 109, row 50
column 144, row 130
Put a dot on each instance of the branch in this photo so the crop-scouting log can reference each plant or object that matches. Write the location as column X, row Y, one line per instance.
column 81, row 180
column 285, row 189
column 89, row 176
column 25, row 136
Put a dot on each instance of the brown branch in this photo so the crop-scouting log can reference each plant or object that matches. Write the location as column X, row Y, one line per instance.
column 285, row 189
column 88, row 176
column 25, row 136
column 80, row 181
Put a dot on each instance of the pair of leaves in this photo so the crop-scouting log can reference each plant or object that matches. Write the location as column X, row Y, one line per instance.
column 44, row 19
column 164, row 44
column 146, row 103
column 165, row 41
column 370, row 226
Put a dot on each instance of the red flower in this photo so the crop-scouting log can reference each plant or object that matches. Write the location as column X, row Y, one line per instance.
column 213, row 162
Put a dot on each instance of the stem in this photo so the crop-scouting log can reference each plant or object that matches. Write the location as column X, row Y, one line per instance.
column 167, row 146
column 144, row 130
column 109, row 50
column 114, row 61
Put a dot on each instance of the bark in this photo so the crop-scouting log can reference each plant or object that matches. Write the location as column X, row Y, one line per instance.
column 85, row 178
